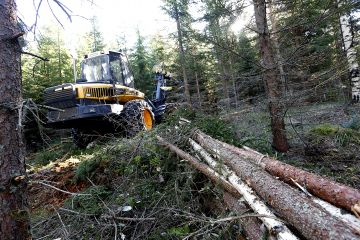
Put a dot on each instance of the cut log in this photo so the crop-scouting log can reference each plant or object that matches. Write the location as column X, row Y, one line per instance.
column 347, row 218
column 306, row 216
column 275, row 227
column 322, row 187
column 251, row 226
column 205, row 169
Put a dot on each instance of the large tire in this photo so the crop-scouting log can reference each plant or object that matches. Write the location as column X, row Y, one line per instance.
column 137, row 116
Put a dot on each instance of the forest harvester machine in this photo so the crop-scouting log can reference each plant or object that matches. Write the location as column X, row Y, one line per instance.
column 104, row 100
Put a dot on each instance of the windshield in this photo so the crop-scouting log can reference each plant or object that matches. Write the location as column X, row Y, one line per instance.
column 95, row 69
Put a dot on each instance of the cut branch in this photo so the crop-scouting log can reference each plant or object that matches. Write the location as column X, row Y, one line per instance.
column 210, row 173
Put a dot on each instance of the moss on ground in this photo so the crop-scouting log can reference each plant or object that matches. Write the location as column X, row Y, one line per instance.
column 339, row 135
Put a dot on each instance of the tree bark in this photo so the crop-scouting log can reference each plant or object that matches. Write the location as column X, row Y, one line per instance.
column 275, row 40
column 330, row 191
column 14, row 218
column 279, row 141
column 182, row 53
column 306, row 216
column 354, row 71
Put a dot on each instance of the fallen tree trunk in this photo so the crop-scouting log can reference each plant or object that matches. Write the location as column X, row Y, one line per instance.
column 326, row 189
column 252, row 226
column 275, row 227
column 303, row 214
column 346, row 218
column 205, row 169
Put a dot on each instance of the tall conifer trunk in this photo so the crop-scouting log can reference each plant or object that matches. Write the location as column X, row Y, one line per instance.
column 275, row 40
column 14, row 220
column 182, row 53
column 270, row 76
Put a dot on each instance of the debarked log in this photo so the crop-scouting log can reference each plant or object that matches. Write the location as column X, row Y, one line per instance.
column 205, row 169
column 275, row 227
column 292, row 205
column 333, row 192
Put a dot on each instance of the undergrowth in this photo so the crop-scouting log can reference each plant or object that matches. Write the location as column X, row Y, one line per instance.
column 138, row 179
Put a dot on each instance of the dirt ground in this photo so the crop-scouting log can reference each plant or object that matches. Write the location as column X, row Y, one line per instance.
column 43, row 194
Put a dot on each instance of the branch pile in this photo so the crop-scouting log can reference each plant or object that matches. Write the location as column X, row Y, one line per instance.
column 290, row 202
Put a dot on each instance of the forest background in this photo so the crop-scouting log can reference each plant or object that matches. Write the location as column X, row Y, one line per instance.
column 288, row 82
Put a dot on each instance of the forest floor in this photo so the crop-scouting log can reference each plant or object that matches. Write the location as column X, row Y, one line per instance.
column 323, row 138
column 92, row 193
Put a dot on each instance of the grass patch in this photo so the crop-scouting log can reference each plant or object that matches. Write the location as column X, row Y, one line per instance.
column 341, row 136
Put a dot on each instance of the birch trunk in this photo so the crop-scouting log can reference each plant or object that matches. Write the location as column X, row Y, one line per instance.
column 350, row 51
column 14, row 218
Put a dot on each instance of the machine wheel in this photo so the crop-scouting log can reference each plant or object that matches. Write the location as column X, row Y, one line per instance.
column 137, row 116
column 80, row 138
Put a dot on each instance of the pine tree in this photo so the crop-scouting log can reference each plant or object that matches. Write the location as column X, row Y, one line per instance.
column 177, row 9
column 91, row 41
column 270, row 76
column 39, row 75
column 140, row 63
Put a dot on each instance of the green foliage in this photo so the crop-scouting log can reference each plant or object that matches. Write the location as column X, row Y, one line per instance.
column 217, row 128
column 52, row 153
column 87, row 168
column 91, row 200
column 179, row 231
column 141, row 66
column 184, row 112
column 246, row 62
column 212, row 125
column 93, row 41
column 38, row 75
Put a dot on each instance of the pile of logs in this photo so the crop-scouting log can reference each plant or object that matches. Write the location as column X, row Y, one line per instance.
column 291, row 203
